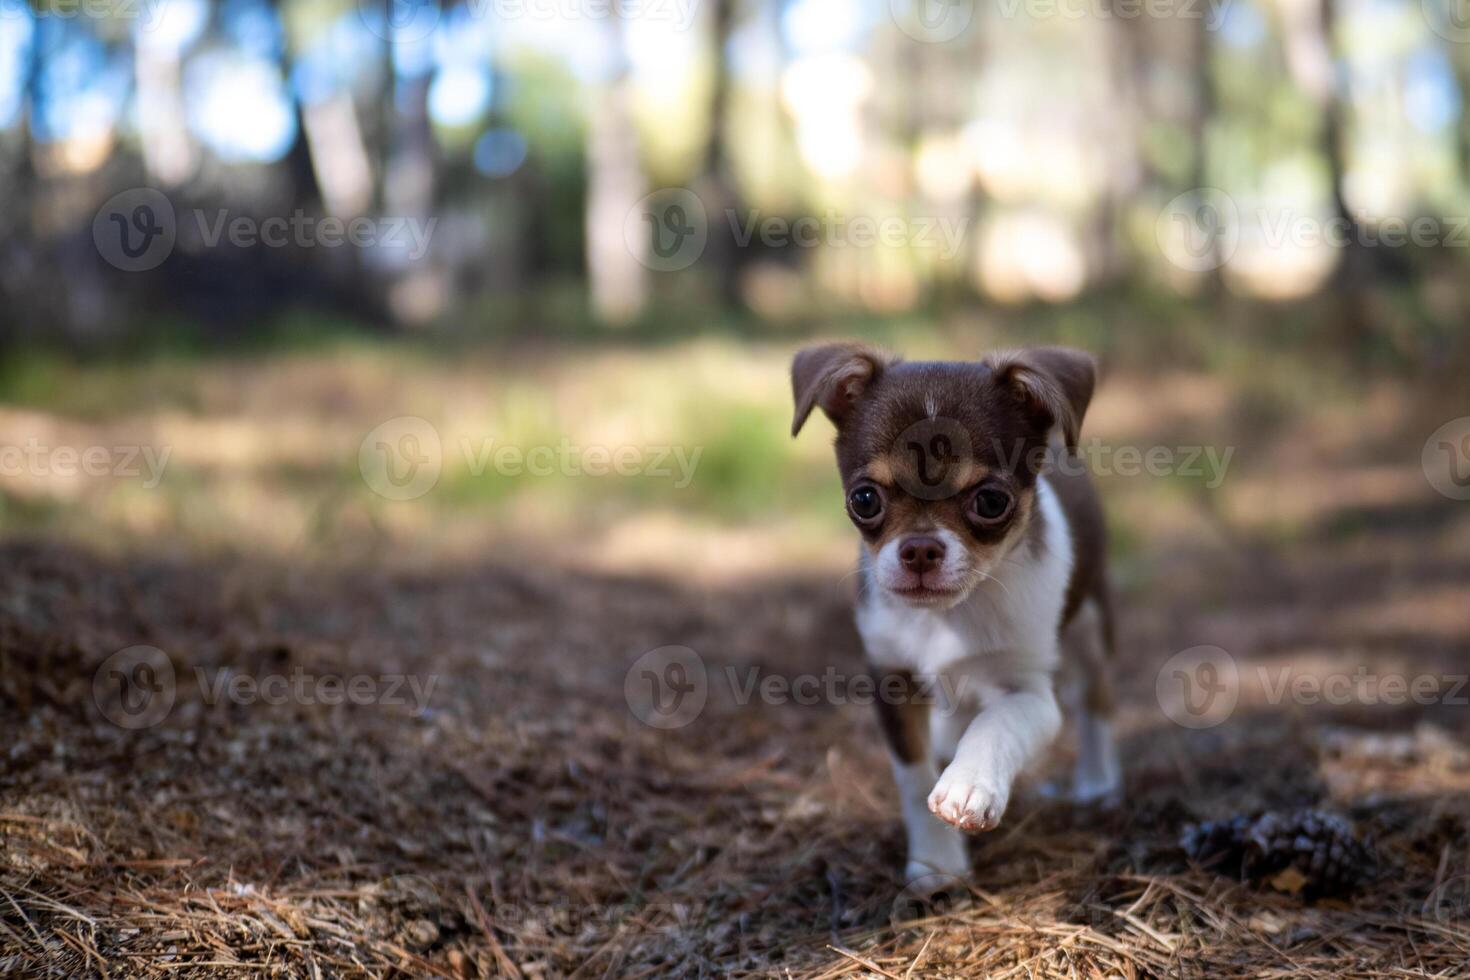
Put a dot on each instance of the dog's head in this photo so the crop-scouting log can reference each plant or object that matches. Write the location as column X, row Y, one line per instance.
column 939, row 460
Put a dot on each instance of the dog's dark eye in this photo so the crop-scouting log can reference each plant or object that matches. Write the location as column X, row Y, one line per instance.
column 865, row 503
column 991, row 505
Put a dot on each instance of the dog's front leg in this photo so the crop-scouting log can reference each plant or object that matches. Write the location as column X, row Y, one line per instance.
column 936, row 853
column 1011, row 728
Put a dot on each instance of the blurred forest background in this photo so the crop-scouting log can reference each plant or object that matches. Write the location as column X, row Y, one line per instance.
column 1275, row 194
column 1052, row 134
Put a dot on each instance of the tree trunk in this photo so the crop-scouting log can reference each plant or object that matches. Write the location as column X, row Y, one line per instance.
column 1310, row 56
column 1205, row 107
column 168, row 153
column 615, row 183
column 717, row 182
column 418, row 292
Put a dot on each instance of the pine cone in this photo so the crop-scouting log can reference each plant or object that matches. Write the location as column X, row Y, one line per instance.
column 1218, row 845
column 1309, row 851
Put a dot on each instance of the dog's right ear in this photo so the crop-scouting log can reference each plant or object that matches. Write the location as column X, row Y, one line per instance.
column 833, row 376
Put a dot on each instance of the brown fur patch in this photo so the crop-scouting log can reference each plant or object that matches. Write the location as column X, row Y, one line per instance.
column 907, row 515
column 880, row 471
column 902, row 716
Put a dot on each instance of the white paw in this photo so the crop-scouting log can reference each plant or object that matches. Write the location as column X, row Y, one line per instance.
column 923, row 882
column 938, row 863
column 968, row 801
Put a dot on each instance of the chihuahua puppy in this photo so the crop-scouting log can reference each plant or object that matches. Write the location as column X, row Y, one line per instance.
column 981, row 564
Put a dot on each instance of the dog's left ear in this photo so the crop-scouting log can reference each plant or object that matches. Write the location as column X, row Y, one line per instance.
column 833, row 376
column 1055, row 382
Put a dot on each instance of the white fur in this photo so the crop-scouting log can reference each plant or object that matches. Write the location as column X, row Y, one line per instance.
column 936, row 851
column 993, row 653
column 1008, row 622
column 1098, row 774
column 888, row 567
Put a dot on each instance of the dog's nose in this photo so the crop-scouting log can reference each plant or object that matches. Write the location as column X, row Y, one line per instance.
column 921, row 554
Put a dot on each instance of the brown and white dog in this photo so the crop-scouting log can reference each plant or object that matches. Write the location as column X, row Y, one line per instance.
column 981, row 566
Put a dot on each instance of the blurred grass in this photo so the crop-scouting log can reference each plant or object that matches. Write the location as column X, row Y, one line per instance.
column 264, row 435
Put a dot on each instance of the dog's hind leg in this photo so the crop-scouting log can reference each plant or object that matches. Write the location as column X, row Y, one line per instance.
column 1087, row 645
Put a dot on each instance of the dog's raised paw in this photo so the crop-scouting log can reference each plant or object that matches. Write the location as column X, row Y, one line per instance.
column 967, row 801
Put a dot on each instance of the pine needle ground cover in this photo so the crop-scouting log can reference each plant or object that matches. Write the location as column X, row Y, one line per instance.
column 505, row 811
